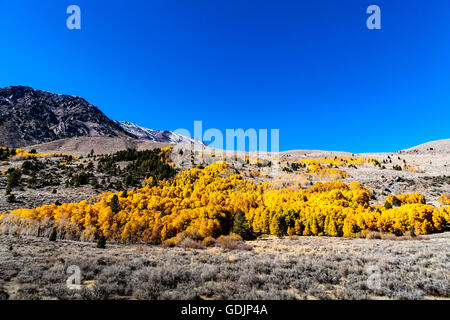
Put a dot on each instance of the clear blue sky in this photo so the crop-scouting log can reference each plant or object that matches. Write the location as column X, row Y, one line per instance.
column 309, row 68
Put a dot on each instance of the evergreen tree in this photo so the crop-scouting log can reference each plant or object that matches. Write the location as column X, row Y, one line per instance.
column 388, row 205
column 101, row 242
column 128, row 181
column 53, row 235
column 115, row 204
column 241, row 227
column 396, row 202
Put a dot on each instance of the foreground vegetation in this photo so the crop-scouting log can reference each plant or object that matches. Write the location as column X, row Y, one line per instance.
column 289, row 268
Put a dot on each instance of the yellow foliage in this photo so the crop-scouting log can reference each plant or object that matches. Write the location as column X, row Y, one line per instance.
column 205, row 201
column 408, row 198
column 444, row 199
column 26, row 155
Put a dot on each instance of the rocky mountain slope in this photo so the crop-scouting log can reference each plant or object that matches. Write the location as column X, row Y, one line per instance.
column 29, row 116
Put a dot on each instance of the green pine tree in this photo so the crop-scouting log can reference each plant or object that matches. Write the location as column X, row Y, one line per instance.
column 101, row 242
column 388, row 205
column 115, row 204
column 240, row 227
column 53, row 235
column 396, row 202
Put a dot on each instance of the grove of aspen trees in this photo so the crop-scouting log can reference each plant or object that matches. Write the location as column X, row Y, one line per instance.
column 206, row 201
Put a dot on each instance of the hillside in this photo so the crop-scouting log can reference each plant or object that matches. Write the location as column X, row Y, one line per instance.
column 29, row 116
column 79, row 146
column 438, row 146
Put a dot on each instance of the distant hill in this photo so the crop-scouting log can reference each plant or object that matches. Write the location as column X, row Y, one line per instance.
column 81, row 146
column 438, row 146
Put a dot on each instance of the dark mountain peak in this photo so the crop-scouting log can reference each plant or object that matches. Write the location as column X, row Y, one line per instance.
column 29, row 116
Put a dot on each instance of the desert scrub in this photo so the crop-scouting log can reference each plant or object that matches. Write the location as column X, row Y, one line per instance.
column 306, row 268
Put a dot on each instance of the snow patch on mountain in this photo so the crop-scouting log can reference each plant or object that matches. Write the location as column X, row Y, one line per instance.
column 156, row 136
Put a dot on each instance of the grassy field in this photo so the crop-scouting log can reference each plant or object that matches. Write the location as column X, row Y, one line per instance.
column 267, row 268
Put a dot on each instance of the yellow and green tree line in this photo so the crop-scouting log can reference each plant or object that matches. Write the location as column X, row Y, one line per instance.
column 207, row 201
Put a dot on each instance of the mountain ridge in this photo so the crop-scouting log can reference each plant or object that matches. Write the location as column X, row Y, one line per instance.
column 29, row 117
column 156, row 136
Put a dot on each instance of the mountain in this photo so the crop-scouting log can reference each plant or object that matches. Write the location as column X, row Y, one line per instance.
column 29, row 116
column 156, row 136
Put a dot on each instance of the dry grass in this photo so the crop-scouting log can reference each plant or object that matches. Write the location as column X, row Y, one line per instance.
column 297, row 268
column 232, row 242
column 192, row 244
column 374, row 235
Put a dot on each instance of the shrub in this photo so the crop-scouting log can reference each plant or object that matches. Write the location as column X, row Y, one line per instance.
column 232, row 242
column 373, row 235
column 11, row 198
column 389, row 236
column 172, row 242
column 191, row 234
column 209, row 241
column 119, row 185
column 191, row 244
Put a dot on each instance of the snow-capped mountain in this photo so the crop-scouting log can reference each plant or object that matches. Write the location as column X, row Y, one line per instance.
column 29, row 117
column 155, row 135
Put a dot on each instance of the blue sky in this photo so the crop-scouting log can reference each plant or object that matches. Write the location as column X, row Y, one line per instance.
column 309, row 68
